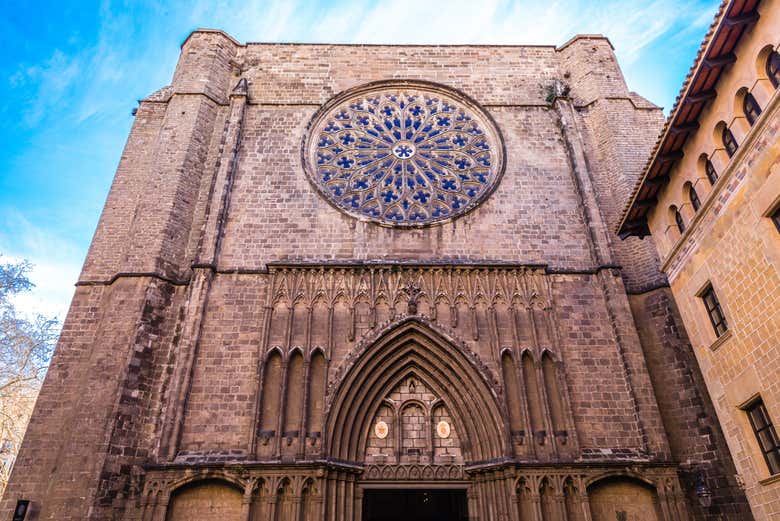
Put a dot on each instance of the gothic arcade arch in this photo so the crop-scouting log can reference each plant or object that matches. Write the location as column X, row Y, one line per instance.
column 414, row 348
column 211, row 499
column 626, row 496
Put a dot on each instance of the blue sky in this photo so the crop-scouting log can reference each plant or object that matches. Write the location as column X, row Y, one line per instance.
column 72, row 72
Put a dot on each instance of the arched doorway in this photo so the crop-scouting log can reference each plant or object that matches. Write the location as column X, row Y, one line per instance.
column 623, row 498
column 415, row 505
column 415, row 409
column 207, row 500
column 445, row 370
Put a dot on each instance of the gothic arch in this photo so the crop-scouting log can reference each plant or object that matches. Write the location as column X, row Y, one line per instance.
column 414, row 348
column 414, row 402
column 552, row 386
column 621, row 473
column 212, row 498
column 216, row 475
column 632, row 496
column 315, row 402
column 384, row 329
column 314, row 352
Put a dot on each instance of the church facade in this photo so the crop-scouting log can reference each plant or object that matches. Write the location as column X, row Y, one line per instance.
column 355, row 282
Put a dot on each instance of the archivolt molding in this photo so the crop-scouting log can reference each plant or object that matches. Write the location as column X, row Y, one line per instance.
column 447, row 336
column 529, row 480
column 414, row 349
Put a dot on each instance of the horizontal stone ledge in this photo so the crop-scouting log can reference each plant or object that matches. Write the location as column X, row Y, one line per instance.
column 389, row 265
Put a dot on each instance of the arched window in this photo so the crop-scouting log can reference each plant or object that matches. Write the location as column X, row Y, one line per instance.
column 709, row 168
column 751, row 107
column 694, row 197
column 272, row 396
column 729, row 141
column 513, row 401
column 773, row 68
column 554, row 398
column 678, row 218
column 533, row 395
column 293, row 401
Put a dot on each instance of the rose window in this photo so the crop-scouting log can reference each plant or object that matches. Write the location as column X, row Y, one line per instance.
column 405, row 156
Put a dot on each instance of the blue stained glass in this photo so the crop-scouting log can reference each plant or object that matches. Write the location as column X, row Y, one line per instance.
column 404, row 156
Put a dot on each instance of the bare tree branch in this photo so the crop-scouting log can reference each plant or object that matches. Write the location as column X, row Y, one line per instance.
column 26, row 346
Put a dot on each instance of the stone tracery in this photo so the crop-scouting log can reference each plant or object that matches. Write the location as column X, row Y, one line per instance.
column 404, row 155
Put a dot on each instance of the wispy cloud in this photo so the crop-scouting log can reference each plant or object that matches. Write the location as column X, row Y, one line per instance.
column 56, row 264
column 69, row 90
column 49, row 82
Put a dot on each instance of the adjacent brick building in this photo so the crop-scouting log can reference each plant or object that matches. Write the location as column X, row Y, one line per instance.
column 349, row 282
column 710, row 196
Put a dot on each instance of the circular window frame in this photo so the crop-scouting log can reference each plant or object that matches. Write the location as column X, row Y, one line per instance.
column 491, row 128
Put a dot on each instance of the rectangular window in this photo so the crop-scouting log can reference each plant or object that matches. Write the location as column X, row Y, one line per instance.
column 717, row 318
column 766, row 434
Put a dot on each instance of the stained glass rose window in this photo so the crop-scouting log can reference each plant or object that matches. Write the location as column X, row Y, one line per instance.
column 403, row 154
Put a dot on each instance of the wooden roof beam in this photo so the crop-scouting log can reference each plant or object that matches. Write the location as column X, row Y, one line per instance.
column 657, row 181
column 670, row 157
column 684, row 128
column 706, row 95
column 645, row 204
column 720, row 61
column 742, row 19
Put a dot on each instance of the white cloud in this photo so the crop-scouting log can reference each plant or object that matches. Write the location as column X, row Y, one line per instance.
column 56, row 265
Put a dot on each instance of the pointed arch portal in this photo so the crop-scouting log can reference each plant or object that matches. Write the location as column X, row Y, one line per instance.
column 413, row 348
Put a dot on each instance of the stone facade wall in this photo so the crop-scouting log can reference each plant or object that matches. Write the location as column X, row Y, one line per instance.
column 225, row 308
column 732, row 244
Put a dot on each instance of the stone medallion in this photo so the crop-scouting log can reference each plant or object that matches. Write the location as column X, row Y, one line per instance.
column 443, row 429
column 381, row 430
column 403, row 154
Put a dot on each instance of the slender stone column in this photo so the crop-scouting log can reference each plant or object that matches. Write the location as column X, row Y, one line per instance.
column 161, row 508
column 585, row 505
column 149, row 504
column 536, row 501
column 471, row 497
column 296, row 508
column 358, row 503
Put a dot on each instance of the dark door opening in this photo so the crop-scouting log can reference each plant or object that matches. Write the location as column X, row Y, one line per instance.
column 414, row 505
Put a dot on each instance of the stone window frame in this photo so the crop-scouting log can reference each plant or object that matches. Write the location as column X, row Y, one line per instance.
column 773, row 68
column 694, row 198
column 765, row 433
column 678, row 219
column 729, row 141
column 714, row 309
column 775, row 216
column 751, row 108
column 709, row 170
column 478, row 112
